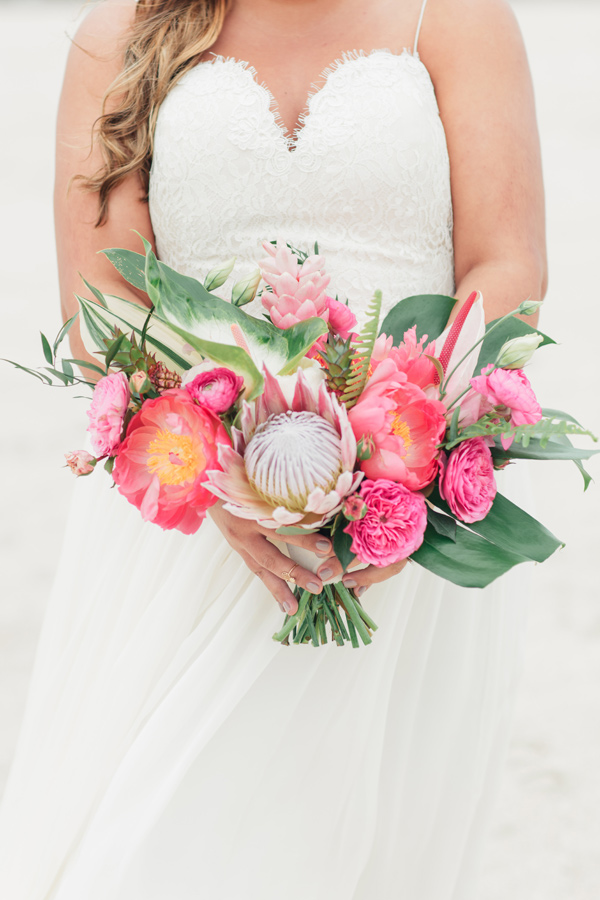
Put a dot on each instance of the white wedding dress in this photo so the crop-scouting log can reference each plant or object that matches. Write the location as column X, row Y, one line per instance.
column 170, row 749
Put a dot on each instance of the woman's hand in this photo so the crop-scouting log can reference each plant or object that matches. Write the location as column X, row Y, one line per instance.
column 263, row 558
column 358, row 580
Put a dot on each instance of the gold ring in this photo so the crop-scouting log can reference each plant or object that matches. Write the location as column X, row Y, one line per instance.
column 289, row 576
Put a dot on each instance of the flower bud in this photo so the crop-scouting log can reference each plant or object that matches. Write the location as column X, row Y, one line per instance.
column 516, row 353
column 365, row 447
column 245, row 290
column 80, row 462
column 528, row 307
column 139, row 381
column 354, row 508
column 217, row 277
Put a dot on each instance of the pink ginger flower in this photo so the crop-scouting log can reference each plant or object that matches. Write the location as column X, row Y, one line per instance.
column 298, row 289
column 216, row 390
column 80, row 462
column 161, row 465
column 393, row 526
column 402, row 424
column 510, row 393
column 467, row 481
column 107, row 413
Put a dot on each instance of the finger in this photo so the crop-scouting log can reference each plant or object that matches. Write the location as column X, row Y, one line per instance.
column 278, row 589
column 360, row 580
column 269, row 557
column 318, row 543
column 331, row 568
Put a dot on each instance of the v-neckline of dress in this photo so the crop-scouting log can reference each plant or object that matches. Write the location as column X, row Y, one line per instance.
column 292, row 142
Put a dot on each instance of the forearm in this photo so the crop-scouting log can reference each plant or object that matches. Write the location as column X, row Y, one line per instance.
column 503, row 286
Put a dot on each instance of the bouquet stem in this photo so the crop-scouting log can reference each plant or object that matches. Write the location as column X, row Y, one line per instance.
column 335, row 607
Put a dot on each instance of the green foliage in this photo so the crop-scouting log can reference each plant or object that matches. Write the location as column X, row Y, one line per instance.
column 539, row 436
column 429, row 312
column 503, row 332
column 363, row 350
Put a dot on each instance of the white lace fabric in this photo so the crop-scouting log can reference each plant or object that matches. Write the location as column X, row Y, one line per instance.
column 366, row 174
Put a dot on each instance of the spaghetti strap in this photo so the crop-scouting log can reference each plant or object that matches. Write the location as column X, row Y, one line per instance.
column 415, row 48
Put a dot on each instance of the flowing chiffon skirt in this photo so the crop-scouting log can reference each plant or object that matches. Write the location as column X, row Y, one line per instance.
column 171, row 750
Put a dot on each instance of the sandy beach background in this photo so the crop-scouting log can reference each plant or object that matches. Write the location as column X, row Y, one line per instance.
column 545, row 838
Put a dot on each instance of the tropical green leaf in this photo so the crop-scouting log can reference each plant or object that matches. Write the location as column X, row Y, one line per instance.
column 510, row 527
column 298, row 340
column 63, row 332
column 60, row 375
column 444, row 525
column 509, row 329
column 35, row 372
column 67, row 368
column 131, row 265
column 233, row 358
column 83, row 363
column 341, row 547
column 429, row 312
column 469, row 561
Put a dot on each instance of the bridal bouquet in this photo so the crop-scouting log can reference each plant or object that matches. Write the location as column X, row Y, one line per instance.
column 387, row 440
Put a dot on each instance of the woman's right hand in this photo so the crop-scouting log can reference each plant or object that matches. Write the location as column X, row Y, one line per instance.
column 266, row 561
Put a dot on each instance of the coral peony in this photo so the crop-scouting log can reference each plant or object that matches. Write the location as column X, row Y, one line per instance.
column 80, row 462
column 402, row 424
column 410, row 357
column 393, row 526
column 509, row 391
column 467, row 482
column 298, row 289
column 107, row 412
column 161, row 464
column 216, row 390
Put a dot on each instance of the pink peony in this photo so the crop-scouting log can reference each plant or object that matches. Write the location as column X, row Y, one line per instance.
column 342, row 320
column 161, row 464
column 298, row 290
column 467, row 482
column 393, row 526
column 107, row 412
column 411, row 358
column 509, row 391
column 80, row 461
column 216, row 390
column 402, row 423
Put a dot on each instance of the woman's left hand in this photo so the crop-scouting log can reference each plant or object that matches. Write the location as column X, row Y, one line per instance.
column 358, row 580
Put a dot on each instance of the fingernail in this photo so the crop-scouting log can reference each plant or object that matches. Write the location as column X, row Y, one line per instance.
column 349, row 582
column 288, row 607
column 324, row 574
column 360, row 591
column 313, row 587
column 323, row 545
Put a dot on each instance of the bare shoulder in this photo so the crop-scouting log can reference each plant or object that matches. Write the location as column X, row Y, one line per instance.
column 457, row 34
column 97, row 48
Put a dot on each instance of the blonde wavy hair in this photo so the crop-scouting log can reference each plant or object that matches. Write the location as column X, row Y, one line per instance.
column 165, row 40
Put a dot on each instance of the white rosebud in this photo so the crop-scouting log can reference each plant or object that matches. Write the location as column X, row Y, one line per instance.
column 516, row 353
column 217, row 277
column 245, row 290
column 528, row 307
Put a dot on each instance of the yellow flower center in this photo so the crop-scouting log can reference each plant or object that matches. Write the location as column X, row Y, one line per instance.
column 174, row 458
column 401, row 429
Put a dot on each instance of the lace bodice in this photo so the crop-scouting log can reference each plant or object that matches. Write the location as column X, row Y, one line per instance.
column 366, row 174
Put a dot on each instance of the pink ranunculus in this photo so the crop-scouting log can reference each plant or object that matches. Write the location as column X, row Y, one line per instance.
column 80, row 461
column 467, row 482
column 161, row 465
column 342, row 320
column 393, row 526
column 404, row 426
column 107, row 412
column 216, row 390
column 509, row 390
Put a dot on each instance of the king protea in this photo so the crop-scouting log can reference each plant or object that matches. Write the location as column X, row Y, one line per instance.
column 292, row 463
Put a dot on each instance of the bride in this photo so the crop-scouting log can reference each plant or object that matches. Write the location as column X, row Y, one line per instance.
column 170, row 750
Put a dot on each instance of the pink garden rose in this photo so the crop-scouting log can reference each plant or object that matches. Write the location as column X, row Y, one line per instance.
column 216, row 390
column 402, row 423
column 342, row 320
column 393, row 526
column 80, row 461
column 161, row 465
column 509, row 391
column 298, row 289
column 467, row 482
column 107, row 412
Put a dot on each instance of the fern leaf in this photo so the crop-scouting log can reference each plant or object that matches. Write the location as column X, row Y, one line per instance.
column 363, row 350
